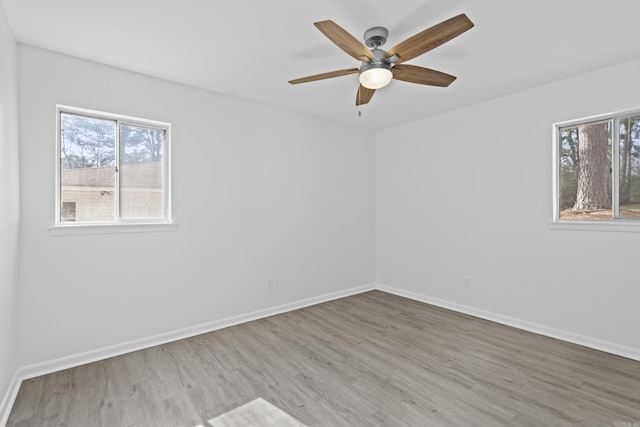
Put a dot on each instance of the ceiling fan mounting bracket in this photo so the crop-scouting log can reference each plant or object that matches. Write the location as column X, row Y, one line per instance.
column 375, row 37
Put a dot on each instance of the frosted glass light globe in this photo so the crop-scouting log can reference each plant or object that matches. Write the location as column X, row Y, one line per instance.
column 375, row 78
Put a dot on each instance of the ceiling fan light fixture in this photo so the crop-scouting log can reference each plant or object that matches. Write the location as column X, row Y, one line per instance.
column 375, row 75
column 379, row 67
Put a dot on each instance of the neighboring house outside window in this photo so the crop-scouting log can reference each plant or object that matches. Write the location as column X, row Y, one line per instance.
column 111, row 169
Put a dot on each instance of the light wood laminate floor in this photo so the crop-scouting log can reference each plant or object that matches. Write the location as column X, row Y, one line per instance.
column 372, row 359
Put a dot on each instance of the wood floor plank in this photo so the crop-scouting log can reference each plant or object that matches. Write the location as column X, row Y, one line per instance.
column 372, row 359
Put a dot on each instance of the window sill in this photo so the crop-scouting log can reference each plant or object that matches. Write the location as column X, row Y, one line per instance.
column 84, row 229
column 610, row 226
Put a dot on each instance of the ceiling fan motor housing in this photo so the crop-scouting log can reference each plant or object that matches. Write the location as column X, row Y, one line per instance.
column 378, row 61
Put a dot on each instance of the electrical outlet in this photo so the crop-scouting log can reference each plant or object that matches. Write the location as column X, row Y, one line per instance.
column 269, row 285
column 467, row 281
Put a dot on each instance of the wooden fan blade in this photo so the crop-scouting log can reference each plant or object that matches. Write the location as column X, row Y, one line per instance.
column 323, row 76
column 364, row 95
column 344, row 40
column 421, row 75
column 430, row 38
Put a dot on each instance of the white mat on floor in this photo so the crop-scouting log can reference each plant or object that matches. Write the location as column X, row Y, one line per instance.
column 257, row 413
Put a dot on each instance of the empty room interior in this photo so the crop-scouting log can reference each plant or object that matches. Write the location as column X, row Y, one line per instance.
column 257, row 213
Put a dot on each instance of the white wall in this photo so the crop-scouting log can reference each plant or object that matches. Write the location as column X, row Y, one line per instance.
column 469, row 193
column 9, row 206
column 265, row 193
column 258, row 193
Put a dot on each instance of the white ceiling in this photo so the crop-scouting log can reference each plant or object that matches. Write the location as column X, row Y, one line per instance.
column 251, row 48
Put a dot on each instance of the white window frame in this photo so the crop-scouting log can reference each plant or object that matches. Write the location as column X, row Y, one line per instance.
column 118, row 225
column 615, row 223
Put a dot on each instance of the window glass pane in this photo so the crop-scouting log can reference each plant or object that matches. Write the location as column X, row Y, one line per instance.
column 630, row 167
column 68, row 212
column 141, row 172
column 585, row 171
column 87, row 169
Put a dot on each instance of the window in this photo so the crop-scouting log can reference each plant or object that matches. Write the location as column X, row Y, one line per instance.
column 597, row 169
column 68, row 212
column 111, row 169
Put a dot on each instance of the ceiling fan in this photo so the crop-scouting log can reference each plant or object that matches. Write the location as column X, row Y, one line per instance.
column 379, row 66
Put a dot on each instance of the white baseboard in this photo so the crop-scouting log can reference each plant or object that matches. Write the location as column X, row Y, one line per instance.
column 9, row 398
column 43, row 368
column 595, row 343
column 37, row 369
